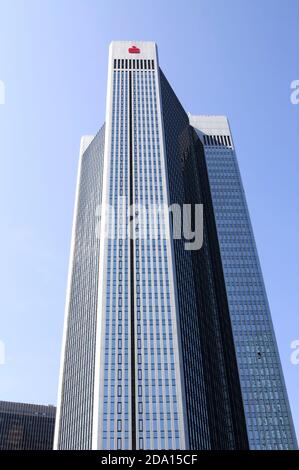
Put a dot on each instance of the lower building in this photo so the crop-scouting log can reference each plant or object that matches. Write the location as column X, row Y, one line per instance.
column 25, row 426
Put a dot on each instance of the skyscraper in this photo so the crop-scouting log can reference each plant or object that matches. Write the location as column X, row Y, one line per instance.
column 149, row 346
column 24, row 426
column 268, row 415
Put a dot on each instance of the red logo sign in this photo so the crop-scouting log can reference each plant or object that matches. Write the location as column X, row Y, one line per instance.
column 134, row 50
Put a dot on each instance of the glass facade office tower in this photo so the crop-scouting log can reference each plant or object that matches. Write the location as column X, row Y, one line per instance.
column 26, row 427
column 148, row 358
column 268, row 416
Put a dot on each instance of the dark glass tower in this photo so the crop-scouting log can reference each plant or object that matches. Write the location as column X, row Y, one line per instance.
column 213, row 401
column 268, row 416
column 26, row 427
column 149, row 358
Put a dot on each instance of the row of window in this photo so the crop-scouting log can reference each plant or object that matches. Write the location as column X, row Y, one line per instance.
column 217, row 140
column 138, row 64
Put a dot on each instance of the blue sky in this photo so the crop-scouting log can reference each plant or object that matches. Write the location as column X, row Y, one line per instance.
column 234, row 57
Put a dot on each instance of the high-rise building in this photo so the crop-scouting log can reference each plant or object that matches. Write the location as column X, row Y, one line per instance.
column 25, row 426
column 150, row 358
column 267, row 410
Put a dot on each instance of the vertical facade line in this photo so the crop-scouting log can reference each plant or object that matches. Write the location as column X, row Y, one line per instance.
column 132, row 274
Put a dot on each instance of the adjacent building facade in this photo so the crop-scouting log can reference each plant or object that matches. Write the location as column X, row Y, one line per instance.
column 25, row 426
column 268, row 415
column 152, row 352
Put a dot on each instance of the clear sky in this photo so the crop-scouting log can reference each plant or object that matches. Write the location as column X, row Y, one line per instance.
column 222, row 57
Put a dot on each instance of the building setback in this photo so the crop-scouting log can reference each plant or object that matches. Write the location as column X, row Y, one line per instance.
column 24, row 426
column 151, row 355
